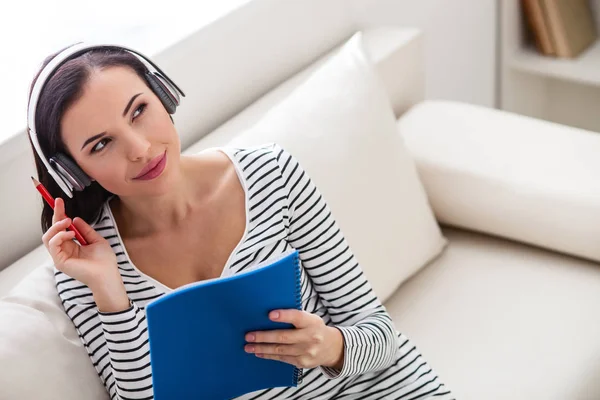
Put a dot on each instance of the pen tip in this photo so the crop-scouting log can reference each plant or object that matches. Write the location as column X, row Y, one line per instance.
column 35, row 181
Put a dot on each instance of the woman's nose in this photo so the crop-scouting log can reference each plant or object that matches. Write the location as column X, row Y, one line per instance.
column 137, row 146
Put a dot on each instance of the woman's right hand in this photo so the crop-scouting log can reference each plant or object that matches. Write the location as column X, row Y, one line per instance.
column 94, row 264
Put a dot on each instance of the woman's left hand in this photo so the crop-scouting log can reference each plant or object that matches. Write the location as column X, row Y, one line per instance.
column 310, row 345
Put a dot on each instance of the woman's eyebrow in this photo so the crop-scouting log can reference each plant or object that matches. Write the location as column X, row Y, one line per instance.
column 129, row 104
column 99, row 135
column 89, row 140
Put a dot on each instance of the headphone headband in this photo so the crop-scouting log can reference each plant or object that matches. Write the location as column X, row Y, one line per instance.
column 52, row 66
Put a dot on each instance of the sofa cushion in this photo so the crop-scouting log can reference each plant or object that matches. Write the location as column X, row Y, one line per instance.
column 340, row 125
column 500, row 320
column 509, row 175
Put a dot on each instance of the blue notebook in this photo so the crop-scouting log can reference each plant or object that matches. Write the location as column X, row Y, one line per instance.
column 197, row 333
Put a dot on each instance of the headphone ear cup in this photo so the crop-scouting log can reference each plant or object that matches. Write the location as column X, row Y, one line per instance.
column 163, row 93
column 70, row 171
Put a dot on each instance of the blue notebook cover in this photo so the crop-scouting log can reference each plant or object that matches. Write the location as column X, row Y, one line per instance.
column 197, row 333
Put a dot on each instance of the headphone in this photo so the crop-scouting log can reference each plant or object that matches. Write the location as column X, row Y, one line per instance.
column 63, row 169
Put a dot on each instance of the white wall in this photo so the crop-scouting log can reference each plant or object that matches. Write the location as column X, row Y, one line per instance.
column 460, row 43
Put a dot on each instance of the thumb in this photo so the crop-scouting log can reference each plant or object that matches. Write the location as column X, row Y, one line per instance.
column 88, row 233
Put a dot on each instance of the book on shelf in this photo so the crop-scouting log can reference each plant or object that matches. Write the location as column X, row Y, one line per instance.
column 560, row 28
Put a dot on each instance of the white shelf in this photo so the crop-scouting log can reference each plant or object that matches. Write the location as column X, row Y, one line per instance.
column 565, row 91
column 584, row 69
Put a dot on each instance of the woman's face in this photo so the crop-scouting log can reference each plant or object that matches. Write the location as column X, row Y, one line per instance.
column 117, row 128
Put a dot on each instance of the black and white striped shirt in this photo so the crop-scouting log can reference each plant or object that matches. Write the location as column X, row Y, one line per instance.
column 284, row 210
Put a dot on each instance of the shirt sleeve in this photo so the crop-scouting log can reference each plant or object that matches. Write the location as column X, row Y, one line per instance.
column 117, row 342
column 370, row 339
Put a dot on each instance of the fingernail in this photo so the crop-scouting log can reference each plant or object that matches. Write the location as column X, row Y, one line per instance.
column 249, row 349
column 250, row 337
column 274, row 315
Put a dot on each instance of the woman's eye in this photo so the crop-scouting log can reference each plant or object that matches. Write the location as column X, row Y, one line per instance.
column 102, row 142
column 141, row 109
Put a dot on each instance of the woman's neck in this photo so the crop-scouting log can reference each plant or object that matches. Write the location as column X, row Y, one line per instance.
column 141, row 216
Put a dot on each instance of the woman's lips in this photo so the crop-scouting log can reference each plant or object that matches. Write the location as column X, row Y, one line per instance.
column 154, row 168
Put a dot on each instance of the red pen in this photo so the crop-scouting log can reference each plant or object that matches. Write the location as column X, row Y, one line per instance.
column 50, row 200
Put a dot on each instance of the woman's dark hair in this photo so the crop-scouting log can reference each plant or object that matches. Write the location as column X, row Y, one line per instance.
column 63, row 88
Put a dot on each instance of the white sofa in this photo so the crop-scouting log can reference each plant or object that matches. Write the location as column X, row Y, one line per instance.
column 506, row 310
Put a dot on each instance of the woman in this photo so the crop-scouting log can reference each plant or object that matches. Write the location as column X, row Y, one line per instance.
column 159, row 220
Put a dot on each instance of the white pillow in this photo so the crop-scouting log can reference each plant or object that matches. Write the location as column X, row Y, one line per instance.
column 341, row 127
column 41, row 356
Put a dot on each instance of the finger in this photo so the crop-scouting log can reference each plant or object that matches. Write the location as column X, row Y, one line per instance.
column 274, row 349
column 55, row 244
column 59, row 210
column 88, row 233
column 300, row 319
column 54, row 229
column 282, row 336
column 58, row 239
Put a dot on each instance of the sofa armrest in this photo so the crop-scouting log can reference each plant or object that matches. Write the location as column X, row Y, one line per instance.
column 508, row 175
